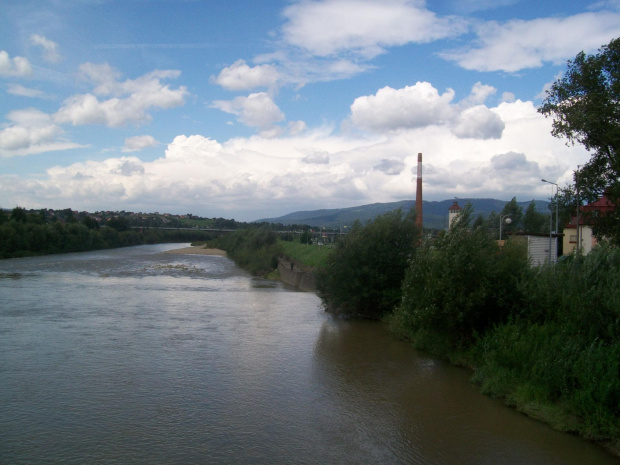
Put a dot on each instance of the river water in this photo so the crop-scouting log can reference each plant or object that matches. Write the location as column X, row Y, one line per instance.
column 136, row 356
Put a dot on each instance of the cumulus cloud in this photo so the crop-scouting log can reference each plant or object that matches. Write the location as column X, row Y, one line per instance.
column 518, row 44
column 254, row 177
column 131, row 99
column 478, row 122
column 421, row 106
column 10, row 67
column 31, row 131
column 321, row 158
column 256, row 110
column 512, row 161
column 390, row 167
column 50, row 48
column 413, row 106
column 363, row 27
column 137, row 143
column 240, row 76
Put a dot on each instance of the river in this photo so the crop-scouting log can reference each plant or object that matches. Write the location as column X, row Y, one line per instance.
column 136, row 356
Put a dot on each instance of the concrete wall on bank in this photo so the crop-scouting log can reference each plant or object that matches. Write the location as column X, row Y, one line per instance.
column 295, row 276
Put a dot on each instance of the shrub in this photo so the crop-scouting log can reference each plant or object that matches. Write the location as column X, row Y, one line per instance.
column 460, row 284
column 254, row 249
column 363, row 273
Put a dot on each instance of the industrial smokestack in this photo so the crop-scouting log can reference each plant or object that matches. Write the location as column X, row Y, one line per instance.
column 418, row 195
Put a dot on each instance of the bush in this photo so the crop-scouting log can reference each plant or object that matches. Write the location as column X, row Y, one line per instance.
column 254, row 249
column 364, row 272
column 459, row 285
column 563, row 347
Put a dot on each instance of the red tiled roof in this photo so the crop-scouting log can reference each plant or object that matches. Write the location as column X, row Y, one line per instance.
column 455, row 206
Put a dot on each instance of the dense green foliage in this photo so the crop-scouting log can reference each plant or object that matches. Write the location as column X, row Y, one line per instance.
column 563, row 346
column 585, row 106
column 459, row 285
column 27, row 234
column 546, row 339
column 364, row 271
column 254, row 249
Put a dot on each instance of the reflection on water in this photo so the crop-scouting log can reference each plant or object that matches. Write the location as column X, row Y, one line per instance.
column 135, row 356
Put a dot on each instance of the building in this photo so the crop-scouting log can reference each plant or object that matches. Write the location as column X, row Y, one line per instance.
column 583, row 230
column 453, row 212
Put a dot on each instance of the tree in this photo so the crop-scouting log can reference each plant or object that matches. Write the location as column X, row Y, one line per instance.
column 515, row 213
column 90, row 222
column 534, row 221
column 365, row 270
column 19, row 215
column 459, row 285
column 585, row 106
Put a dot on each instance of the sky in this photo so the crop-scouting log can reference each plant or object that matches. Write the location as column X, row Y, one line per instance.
column 250, row 109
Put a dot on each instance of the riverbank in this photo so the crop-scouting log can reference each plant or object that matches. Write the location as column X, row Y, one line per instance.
column 198, row 250
column 486, row 358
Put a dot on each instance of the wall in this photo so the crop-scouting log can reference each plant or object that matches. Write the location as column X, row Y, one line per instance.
column 296, row 277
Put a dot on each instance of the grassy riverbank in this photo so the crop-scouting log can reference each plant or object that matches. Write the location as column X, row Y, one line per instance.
column 546, row 340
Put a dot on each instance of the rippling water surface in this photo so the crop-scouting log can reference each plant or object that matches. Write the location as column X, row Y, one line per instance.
column 137, row 356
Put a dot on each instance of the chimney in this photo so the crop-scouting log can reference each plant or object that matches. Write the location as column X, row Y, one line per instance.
column 418, row 195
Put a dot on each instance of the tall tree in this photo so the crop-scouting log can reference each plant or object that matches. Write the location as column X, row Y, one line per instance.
column 585, row 106
column 364, row 272
column 533, row 220
column 515, row 213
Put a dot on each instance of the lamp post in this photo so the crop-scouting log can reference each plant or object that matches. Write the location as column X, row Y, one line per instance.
column 503, row 219
column 556, row 218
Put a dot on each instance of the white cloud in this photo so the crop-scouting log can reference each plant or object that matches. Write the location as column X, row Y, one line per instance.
column 421, row 106
column 240, row 76
column 508, row 97
column 50, row 48
column 256, row 110
column 478, row 122
column 411, row 107
column 296, row 127
column 390, row 167
column 18, row 66
column 137, row 143
column 479, row 94
column 131, row 101
column 251, row 178
column 363, row 27
column 18, row 89
column 31, row 131
column 518, row 44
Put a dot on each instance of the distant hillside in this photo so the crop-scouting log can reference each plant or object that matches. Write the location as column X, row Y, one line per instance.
column 435, row 212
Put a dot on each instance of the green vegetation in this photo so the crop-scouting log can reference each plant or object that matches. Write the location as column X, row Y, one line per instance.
column 24, row 234
column 458, row 286
column 547, row 340
column 363, row 273
column 254, row 249
column 311, row 256
column 585, row 106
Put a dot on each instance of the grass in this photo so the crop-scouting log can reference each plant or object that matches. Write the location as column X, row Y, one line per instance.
column 312, row 256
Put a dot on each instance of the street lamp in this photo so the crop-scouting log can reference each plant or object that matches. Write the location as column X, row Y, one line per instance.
column 556, row 202
column 556, row 218
column 503, row 219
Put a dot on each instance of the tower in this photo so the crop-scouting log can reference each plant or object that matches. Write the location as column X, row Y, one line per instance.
column 453, row 212
column 418, row 196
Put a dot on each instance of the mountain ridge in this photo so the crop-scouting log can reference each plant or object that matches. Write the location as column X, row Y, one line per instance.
column 435, row 213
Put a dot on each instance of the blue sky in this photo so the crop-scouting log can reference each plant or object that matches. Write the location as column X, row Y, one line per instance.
column 246, row 109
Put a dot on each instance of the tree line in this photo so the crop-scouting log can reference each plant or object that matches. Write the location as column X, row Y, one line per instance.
column 23, row 234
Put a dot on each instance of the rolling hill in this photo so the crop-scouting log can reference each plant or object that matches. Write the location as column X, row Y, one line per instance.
column 435, row 212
